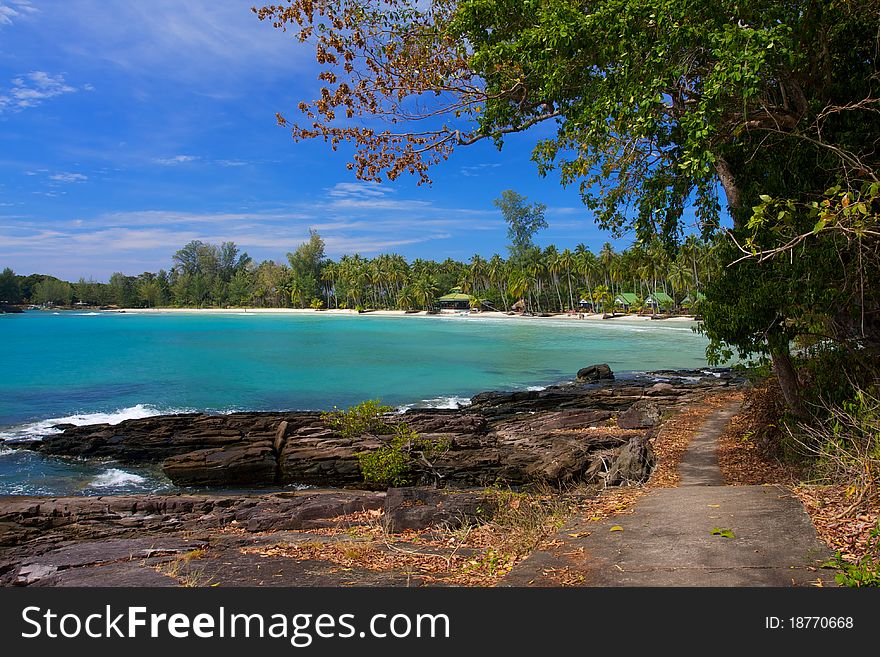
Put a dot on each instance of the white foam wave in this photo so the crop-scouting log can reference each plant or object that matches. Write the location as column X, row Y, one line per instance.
column 45, row 427
column 87, row 314
column 536, row 388
column 449, row 403
column 114, row 478
column 446, row 402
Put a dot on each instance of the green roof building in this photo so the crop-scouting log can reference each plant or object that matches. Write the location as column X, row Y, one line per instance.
column 626, row 300
column 659, row 300
column 455, row 300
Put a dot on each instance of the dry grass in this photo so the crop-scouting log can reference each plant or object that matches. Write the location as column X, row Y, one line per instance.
column 471, row 555
column 182, row 569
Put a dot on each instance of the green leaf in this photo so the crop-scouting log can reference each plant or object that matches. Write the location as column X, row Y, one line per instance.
column 819, row 225
column 723, row 533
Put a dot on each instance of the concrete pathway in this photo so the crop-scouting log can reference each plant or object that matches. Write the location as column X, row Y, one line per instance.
column 668, row 538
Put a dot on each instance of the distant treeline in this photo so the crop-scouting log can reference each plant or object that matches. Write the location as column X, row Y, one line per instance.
column 548, row 280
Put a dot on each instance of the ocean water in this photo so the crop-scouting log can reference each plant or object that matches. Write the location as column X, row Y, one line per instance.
column 84, row 367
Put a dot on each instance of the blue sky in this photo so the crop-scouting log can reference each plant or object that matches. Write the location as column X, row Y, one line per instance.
column 130, row 128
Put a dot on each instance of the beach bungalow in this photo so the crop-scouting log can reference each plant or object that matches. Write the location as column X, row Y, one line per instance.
column 660, row 300
column 455, row 300
column 626, row 300
column 586, row 306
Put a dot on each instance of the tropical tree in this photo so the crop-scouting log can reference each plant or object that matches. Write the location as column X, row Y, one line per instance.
column 10, row 292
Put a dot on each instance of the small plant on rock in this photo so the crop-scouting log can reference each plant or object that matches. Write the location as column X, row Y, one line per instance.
column 364, row 418
column 395, row 464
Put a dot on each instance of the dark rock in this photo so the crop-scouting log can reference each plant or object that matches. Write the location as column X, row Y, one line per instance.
column 633, row 464
column 644, row 414
column 234, row 465
column 661, row 389
column 63, row 426
column 127, row 574
column 595, row 373
column 421, row 508
column 301, row 511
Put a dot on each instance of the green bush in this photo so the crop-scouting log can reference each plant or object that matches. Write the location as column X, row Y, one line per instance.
column 357, row 420
column 395, row 464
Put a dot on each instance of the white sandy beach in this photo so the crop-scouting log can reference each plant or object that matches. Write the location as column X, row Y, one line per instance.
column 686, row 319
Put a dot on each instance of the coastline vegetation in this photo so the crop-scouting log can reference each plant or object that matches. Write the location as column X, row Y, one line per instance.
column 548, row 279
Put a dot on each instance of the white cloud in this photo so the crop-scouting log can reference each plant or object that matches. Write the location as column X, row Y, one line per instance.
column 175, row 160
column 67, row 177
column 12, row 10
column 197, row 41
column 358, row 190
column 476, row 170
column 32, row 89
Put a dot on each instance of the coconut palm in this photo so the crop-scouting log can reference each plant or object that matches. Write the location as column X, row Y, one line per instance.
column 425, row 291
column 567, row 264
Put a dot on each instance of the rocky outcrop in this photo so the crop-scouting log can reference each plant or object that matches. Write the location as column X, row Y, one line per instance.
column 644, row 414
column 558, row 435
column 632, row 464
column 23, row 518
column 595, row 373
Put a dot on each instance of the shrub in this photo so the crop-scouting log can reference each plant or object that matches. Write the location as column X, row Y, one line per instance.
column 846, row 443
column 396, row 463
column 359, row 419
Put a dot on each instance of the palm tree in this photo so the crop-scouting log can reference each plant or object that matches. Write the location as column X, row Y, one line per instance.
column 496, row 270
column 553, row 266
column 329, row 274
column 567, row 264
column 606, row 257
column 680, row 277
column 587, row 266
column 406, row 298
column 518, row 284
column 425, row 291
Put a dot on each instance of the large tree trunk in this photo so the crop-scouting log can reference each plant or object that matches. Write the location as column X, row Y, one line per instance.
column 731, row 189
column 785, row 373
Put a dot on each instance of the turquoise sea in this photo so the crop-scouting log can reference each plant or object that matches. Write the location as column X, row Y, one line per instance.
column 87, row 367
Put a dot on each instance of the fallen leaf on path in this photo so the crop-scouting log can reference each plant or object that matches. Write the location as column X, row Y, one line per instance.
column 616, row 528
column 579, row 534
column 723, row 533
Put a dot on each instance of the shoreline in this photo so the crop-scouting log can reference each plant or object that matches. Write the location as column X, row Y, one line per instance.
column 679, row 319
